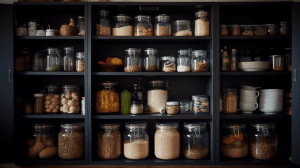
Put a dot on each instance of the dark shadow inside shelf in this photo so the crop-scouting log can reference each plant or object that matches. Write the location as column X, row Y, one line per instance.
column 256, row 114
column 51, row 161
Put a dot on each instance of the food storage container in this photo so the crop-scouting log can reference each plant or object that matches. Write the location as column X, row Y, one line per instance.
column 52, row 99
column 103, row 25
column 199, row 61
column 202, row 23
column 172, row 107
column 53, row 63
column 167, row 141
column 22, row 61
column 235, row 30
column 70, row 99
column 224, row 30
column 80, row 61
column 261, row 30
column 162, row 25
column 122, row 26
column 107, row 98
column 81, row 26
column 125, row 101
column 230, row 100
column 184, row 60
column 136, row 140
column 32, row 28
column 195, row 140
column 151, row 60
column 263, row 141
column 272, row 29
column 200, row 104
column 157, row 96
column 38, row 62
column 288, row 59
column 247, row 30
column 276, row 62
column 50, row 32
column 234, row 60
column 28, row 106
column 69, row 61
column 234, row 140
column 71, row 141
column 225, row 60
column 39, row 103
column 168, row 63
column 109, row 141
column 181, row 28
column 133, row 60
column 136, row 107
column 185, row 107
column 143, row 26
column 284, row 28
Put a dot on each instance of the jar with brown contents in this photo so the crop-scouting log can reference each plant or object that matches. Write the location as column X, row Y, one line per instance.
column 248, row 30
column 261, row 30
column 133, row 61
column 272, row 29
column 229, row 100
column 151, row 60
column 39, row 103
column 168, row 63
column 70, row 99
column 172, row 107
column 199, row 61
column 103, row 26
column 22, row 62
column 162, row 25
column 143, row 26
column 288, row 59
column 107, row 98
column 224, row 30
column 80, row 61
column 52, row 99
column 235, row 30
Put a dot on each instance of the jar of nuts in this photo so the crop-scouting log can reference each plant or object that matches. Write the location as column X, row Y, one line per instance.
column 70, row 99
column 133, row 61
column 224, row 30
column 247, row 30
column 103, row 26
column 200, row 104
column 162, row 25
column 52, row 99
column 80, row 61
column 284, row 28
column 261, row 30
column 143, row 26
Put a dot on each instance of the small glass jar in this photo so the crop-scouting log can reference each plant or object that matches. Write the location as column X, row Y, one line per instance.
column 288, row 59
column 234, row 140
column 107, row 98
column 224, row 30
column 80, row 61
column 168, row 63
column 39, row 103
column 185, row 107
column 235, row 30
column 71, row 141
column 133, row 60
column 199, row 61
column 103, row 25
column 151, row 60
column 81, row 26
column 284, row 28
column 52, row 60
column 181, row 28
column 200, row 104
column 276, row 62
column 263, row 141
column 69, row 62
column 52, row 99
column 230, row 101
column 261, row 30
column 202, row 23
column 272, row 29
column 122, row 26
column 195, row 140
column 162, row 25
column 184, row 60
column 157, row 96
column 70, row 99
column 136, row 107
column 143, row 26
column 136, row 140
column 172, row 107
column 247, row 30
column 37, row 62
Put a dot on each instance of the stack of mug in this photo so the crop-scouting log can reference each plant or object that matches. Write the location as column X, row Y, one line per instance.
column 248, row 99
column 271, row 101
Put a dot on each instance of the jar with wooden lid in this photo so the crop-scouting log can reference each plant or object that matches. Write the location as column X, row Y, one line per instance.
column 52, row 99
column 107, row 98
column 230, row 100
column 70, row 99
column 39, row 103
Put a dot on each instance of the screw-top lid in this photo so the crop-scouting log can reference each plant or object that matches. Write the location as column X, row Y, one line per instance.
column 38, row 95
column 263, row 125
column 137, row 124
column 198, row 125
column 166, row 125
column 172, row 103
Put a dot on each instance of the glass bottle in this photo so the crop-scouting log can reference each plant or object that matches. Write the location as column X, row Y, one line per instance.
column 103, row 26
column 81, row 26
column 70, row 99
column 125, row 101
column 151, row 60
column 69, row 62
column 162, row 25
column 140, row 93
column 134, row 95
column 233, row 65
column 39, row 103
column 184, row 60
column 143, row 26
column 225, row 60
column 202, row 23
column 122, row 26
column 133, row 61
column 224, row 30
column 52, row 60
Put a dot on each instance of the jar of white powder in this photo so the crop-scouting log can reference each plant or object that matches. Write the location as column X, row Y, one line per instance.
column 122, row 26
column 184, row 60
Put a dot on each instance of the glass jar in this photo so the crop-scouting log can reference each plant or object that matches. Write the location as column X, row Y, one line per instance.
column 284, row 28
column 122, row 26
column 181, row 28
column 109, row 141
column 235, row 30
column 184, row 60
column 136, row 140
column 39, row 103
column 168, row 63
column 69, row 62
column 52, row 99
column 107, row 98
column 202, row 23
column 263, row 141
column 247, row 30
column 200, row 104
column 22, row 62
column 233, row 58
column 71, row 141
column 276, row 62
column 234, row 140
column 80, row 61
column 185, row 107
column 70, row 99
column 59, row 60
column 195, row 140
column 224, row 30
column 151, row 60
column 261, row 30
column 288, row 59
column 230, row 100
column 167, row 141
column 172, row 107
column 225, row 60
column 143, row 26
column 133, row 61
column 52, row 60
column 81, row 26
column 162, row 25
column 157, row 97
column 38, row 62
column 272, row 29
column 199, row 61
column 103, row 25
column 136, row 107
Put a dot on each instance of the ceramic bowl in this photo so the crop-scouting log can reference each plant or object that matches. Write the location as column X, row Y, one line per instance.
column 254, row 66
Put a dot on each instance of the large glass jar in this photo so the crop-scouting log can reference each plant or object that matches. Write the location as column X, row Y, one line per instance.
column 229, row 100
column 263, row 141
column 69, row 62
column 195, row 140
column 136, row 140
column 133, row 60
column 288, row 59
column 234, row 142
column 52, row 60
column 38, row 62
column 167, row 141
column 71, row 141
column 168, row 63
column 199, row 61
column 81, row 26
column 103, row 26
column 60, row 60
column 181, row 28
column 184, row 60
column 109, row 141
column 52, row 99
column 224, row 30
column 122, row 26
column 247, row 30
column 107, row 98
column 80, row 61
column 202, row 23
column 162, row 25
column 157, row 97
column 151, row 60
column 235, row 30
column 284, row 28
column 272, row 29
column 70, row 99
column 276, row 62
column 143, row 26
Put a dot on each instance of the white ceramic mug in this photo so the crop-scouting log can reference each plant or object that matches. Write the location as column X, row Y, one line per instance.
column 248, row 107
column 248, row 93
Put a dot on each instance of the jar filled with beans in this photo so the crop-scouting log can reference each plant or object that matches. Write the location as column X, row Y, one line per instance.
column 52, row 99
column 261, row 30
column 107, row 98
column 70, row 99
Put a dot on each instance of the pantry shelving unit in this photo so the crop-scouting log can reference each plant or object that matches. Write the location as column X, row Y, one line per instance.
column 96, row 48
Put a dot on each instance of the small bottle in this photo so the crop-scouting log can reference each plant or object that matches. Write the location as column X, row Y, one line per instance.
column 125, row 102
column 225, row 64
column 233, row 65
column 134, row 94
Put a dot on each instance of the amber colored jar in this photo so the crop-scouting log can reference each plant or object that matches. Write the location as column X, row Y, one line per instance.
column 229, row 100
column 107, row 98
column 39, row 103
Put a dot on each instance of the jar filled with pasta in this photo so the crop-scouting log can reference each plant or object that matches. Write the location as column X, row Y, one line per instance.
column 107, row 98
column 143, row 26
column 235, row 30
column 199, row 61
column 52, row 99
column 70, row 99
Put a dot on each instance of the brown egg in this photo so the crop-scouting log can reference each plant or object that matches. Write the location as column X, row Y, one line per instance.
column 46, row 106
column 57, row 107
column 54, row 110
column 72, row 109
column 54, row 100
column 48, row 110
column 57, row 96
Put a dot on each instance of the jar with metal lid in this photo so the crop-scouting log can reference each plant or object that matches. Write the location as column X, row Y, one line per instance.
column 157, row 96
column 195, row 140
column 235, row 30
column 38, row 62
column 52, row 99
column 69, row 62
column 168, row 63
column 199, row 61
column 39, row 103
column 133, row 60
column 103, row 25
column 288, row 59
column 122, row 26
column 81, row 25
column 172, row 107
column 224, row 30
column 263, row 141
column 143, row 26
column 136, row 107
column 181, row 28
column 185, row 107
column 109, row 141
column 272, row 29
column 261, row 30
column 52, row 60
column 136, row 140
column 184, row 60
column 167, row 141
column 230, row 100
column 247, row 30
column 107, row 98
column 80, row 61
column 70, row 99
column 276, row 62
column 234, row 140
column 202, row 23
column 60, row 60
column 284, row 28
column 162, row 25
column 71, row 141
column 151, row 60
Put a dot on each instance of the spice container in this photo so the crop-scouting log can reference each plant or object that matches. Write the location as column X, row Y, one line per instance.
column 50, row 32
column 263, row 141
column 109, row 141
column 162, row 25
column 143, row 26
column 184, row 60
column 70, row 101
column 202, row 23
column 122, row 26
column 167, row 141
column 80, row 61
column 103, row 26
column 83, row 105
column 151, row 60
column 69, row 62
column 22, row 61
column 272, row 29
column 225, row 60
column 136, row 107
column 229, row 100
column 185, row 107
column 107, row 98
column 224, row 30
column 261, row 30
column 233, row 58
column 81, row 26
column 71, row 141
column 52, row 60
column 195, row 140
column 52, row 99
column 39, row 103
column 199, row 61
column 168, row 63
column 276, row 62
column 235, row 30
column 133, row 61
column 172, row 107
column 234, row 143
column 136, row 140
column 38, row 62
column 28, row 106
column 284, row 28
column 157, row 96
column 247, row 30
column 288, row 59
column 181, row 28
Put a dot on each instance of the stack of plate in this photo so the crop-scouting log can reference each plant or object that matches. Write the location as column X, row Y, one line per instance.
column 271, row 101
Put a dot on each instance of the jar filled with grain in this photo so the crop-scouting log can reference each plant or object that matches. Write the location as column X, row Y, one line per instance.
column 151, row 60
column 168, row 63
column 157, row 97
column 39, row 103
column 103, row 25
column 288, row 59
column 136, row 140
column 230, row 100
column 195, row 140
column 107, row 98
column 71, row 141
column 162, row 25
column 167, row 141
column 247, row 30
column 52, row 99
column 136, row 107
column 224, row 30
column 133, row 60
column 284, row 28
column 235, row 30
column 109, row 141
column 202, row 23
column 70, row 99
column 234, row 142
column 199, row 61
column 172, row 107
column 181, row 28
column 184, row 60
column 80, row 61
column 143, row 26
column 122, row 26
column 263, row 141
